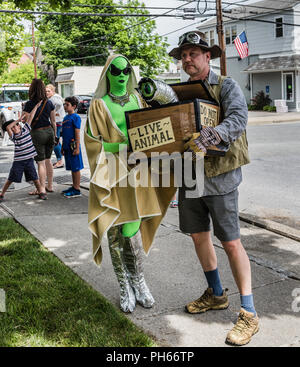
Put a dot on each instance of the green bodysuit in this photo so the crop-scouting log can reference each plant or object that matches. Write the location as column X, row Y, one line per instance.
column 117, row 92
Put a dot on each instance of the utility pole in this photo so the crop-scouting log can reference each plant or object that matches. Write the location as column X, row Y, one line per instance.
column 33, row 49
column 220, row 32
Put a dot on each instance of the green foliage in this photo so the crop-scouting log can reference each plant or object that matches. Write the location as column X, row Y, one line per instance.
column 251, row 107
column 269, row 108
column 23, row 73
column 67, row 41
column 141, row 45
column 11, row 37
column 29, row 4
column 48, row 305
column 260, row 100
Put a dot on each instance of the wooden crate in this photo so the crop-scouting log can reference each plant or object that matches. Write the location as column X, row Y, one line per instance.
column 164, row 128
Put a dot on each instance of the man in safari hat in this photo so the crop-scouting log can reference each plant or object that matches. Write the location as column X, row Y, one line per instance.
column 222, row 178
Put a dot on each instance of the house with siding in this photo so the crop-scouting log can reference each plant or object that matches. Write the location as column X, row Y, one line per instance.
column 273, row 34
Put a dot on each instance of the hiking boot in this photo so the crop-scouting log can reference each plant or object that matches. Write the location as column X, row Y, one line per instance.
column 208, row 301
column 245, row 327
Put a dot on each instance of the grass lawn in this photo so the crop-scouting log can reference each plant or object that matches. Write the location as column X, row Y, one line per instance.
column 48, row 305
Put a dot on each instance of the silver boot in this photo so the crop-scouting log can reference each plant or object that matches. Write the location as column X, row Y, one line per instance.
column 133, row 254
column 115, row 244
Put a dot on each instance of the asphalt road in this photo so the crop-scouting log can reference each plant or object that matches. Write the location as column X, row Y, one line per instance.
column 271, row 182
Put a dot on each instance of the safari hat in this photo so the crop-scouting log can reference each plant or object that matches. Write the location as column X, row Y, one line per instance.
column 195, row 38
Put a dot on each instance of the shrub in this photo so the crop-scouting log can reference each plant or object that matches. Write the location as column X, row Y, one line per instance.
column 260, row 100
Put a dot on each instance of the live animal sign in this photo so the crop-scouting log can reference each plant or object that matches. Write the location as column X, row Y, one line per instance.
column 151, row 135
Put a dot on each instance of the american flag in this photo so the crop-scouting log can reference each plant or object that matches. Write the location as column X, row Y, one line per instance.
column 241, row 45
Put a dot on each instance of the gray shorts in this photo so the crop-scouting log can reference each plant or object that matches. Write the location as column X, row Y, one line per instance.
column 195, row 214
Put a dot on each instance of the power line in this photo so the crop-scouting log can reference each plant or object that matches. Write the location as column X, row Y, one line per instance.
column 104, row 15
column 116, row 6
column 129, row 27
column 123, row 30
column 261, row 20
column 179, row 29
column 252, row 6
column 87, row 57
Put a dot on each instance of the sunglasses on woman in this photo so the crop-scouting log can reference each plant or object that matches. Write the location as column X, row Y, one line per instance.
column 116, row 71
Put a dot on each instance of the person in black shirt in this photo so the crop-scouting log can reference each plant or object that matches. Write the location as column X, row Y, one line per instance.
column 43, row 132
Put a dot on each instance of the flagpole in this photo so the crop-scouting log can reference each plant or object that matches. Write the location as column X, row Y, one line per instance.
column 220, row 32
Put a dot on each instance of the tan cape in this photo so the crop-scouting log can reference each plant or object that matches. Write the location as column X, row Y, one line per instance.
column 110, row 204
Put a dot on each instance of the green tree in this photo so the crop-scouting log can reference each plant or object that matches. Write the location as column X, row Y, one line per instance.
column 141, row 44
column 67, row 40
column 11, row 37
column 27, row 4
column 23, row 73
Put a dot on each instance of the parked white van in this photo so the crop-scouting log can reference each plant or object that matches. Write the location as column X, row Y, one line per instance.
column 12, row 98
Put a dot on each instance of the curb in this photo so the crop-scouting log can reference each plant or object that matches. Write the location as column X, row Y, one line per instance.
column 272, row 226
column 273, row 119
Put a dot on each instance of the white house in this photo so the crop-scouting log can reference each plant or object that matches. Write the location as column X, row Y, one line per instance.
column 80, row 80
column 273, row 64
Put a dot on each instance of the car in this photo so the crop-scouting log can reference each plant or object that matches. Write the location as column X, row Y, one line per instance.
column 83, row 103
column 12, row 99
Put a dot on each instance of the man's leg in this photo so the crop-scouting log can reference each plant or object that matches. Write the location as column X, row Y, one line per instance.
column 240, row 265
column 205, row 250
column 208, row 259
column 214, row 297
column 247, row 323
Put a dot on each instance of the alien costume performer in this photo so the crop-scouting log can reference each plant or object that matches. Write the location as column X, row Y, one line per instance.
column 129, row 215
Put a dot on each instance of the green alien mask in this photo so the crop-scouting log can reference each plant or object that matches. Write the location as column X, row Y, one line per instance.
column 118, row 75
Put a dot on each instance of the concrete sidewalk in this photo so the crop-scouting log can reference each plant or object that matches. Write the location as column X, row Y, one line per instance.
column 262, row 117
column 172, row 269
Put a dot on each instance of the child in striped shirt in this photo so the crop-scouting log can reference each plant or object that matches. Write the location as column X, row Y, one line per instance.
column 24, row 153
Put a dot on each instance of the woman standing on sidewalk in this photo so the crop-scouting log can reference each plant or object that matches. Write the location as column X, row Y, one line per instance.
column 43, row 132
column 58, row 103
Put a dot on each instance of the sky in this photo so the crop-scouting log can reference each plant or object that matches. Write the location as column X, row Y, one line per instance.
column 166, row 24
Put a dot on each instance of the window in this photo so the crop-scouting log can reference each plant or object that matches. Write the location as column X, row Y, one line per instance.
column 278, row 27
column 230, row 34
column 233, row 33
column 66, row 90
column 206, row 37
column 227, row 35
column 211, row 38
column 288, row 87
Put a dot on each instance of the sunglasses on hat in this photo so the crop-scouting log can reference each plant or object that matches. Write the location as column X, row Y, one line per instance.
column 193, row 38
column 116, row 71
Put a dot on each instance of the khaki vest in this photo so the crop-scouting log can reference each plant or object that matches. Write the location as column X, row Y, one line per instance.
column 236, row 156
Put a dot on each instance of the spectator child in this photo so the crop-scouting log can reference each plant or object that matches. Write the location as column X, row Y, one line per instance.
column 24, row 153
column 71, row 145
